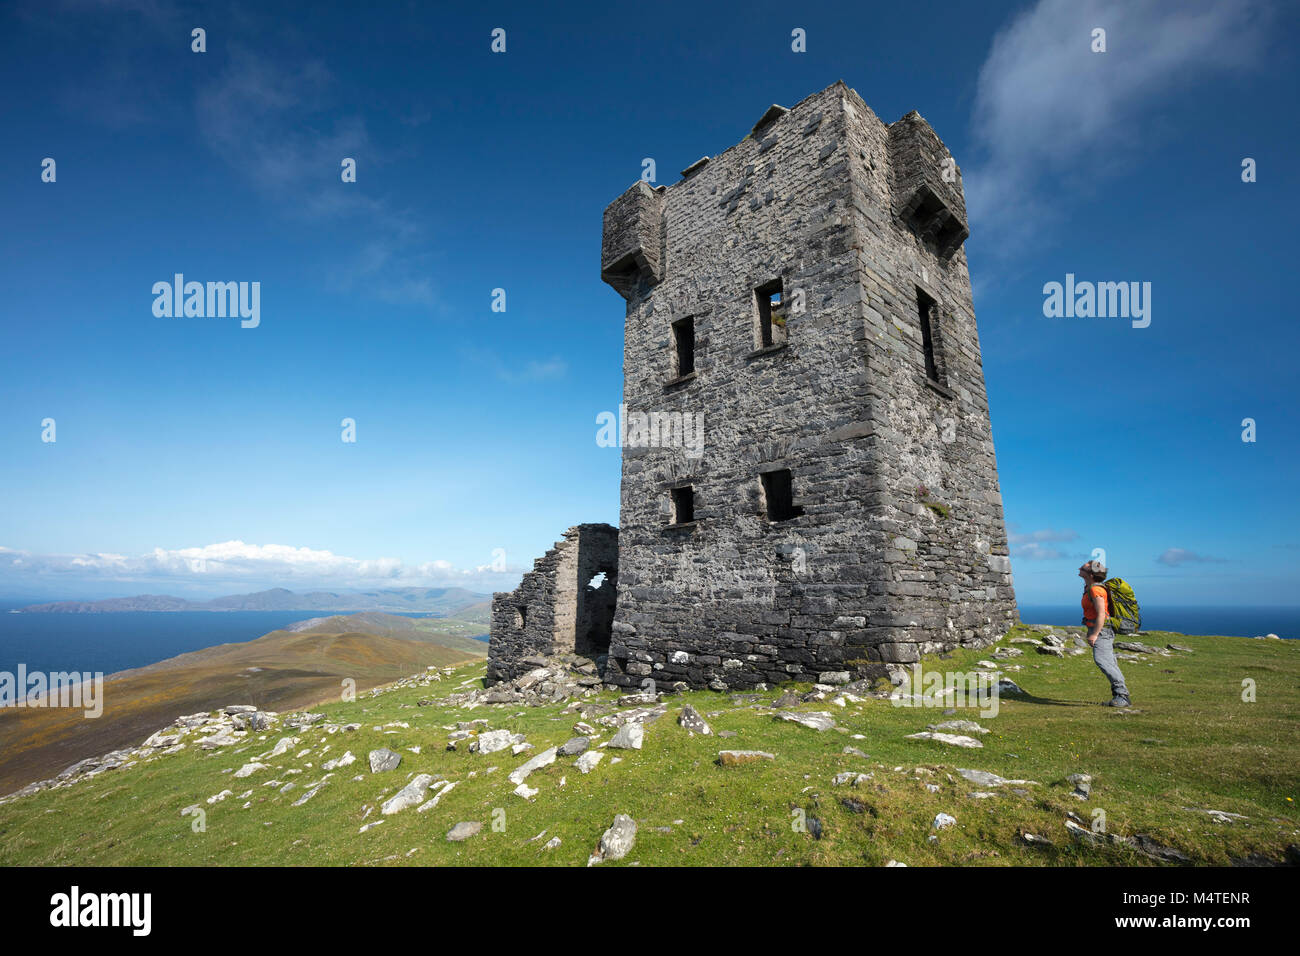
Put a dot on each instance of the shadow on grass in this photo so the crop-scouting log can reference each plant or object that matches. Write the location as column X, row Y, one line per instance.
column 1029, row 698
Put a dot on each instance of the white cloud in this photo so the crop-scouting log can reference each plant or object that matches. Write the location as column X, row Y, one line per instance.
column 1173, row 557
column 1051, row 118
column 534, row 370
column 1036, row 545
column 249, row 566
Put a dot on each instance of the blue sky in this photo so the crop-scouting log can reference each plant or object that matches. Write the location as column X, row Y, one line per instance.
column 188, row 439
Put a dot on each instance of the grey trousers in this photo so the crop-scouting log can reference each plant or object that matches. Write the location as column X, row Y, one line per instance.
column 1103, row 652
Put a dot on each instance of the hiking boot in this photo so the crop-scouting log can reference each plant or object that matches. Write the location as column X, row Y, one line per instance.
column 1117, row 702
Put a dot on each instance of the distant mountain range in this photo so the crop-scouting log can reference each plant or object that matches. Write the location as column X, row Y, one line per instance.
column 438, row 601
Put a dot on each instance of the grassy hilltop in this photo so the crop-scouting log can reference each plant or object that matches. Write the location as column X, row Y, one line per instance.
column 1189, row 745
column 288, row 668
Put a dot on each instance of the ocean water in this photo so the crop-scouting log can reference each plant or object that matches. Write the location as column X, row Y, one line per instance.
column 121, row 640
column 114, row 642
column 1232, row 621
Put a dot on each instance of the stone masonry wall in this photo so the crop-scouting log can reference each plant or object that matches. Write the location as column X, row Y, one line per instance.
column 553, row 611
column 873, row 570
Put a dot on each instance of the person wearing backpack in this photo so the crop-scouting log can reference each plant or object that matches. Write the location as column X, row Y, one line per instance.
column 1096, row 612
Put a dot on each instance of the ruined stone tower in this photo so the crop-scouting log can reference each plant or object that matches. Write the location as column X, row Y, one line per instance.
column 804, row 295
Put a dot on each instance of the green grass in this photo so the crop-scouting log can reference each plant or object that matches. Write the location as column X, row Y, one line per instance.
column 1192, row 742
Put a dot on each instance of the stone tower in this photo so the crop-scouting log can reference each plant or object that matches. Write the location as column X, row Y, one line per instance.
column 804, row 298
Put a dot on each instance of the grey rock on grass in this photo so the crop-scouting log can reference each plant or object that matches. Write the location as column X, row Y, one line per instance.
column 383, row 759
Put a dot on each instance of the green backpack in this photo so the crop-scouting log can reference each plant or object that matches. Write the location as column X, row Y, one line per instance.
column 1125, row 615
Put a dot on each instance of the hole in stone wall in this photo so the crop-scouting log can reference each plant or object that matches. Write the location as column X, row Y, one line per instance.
column 778, row 495
column 683, row 504
column 521, row 616
column 771, row 314
column 596, row 613
column 684, row 346
column 925, row 307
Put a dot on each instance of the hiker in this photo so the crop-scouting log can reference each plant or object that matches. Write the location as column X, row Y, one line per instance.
column 1096, row 609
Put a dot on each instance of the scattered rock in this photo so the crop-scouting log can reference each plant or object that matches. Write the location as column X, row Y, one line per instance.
column 1219, row 816
column 836, row 678
column 734, row 758
column 384, row 759
column 463, row 831
column 629, row 737
column 587, row 762
column 443, row 789
column 574, row 747
column 543, row 759
column 692, row 721
column 1137, row 647
column 1082, row 783
column 850, row 777
column 309, row 793
column 346, row 760
column 410, row 795
column 951, row 740
column 617, row 841
column 816, row 720
column 494, row 740
column 982, row 778
column 943, row 821
column 963, row 726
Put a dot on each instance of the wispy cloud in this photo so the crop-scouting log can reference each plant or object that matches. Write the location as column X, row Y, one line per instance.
column 1052, row 118
column 271, row 114
column 534, row 370
column 237, row 564
column 1037, row 545
column 1173, row 557
column 275, row 126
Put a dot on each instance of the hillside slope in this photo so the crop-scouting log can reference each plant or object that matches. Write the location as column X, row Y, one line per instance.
column 860, row 792
column 281, row 670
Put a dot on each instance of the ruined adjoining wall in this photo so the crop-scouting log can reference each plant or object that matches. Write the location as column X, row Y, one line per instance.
column 900, row 546
column 554, row 610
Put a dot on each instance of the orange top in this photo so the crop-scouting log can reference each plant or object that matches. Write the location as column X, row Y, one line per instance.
column 1089, row 612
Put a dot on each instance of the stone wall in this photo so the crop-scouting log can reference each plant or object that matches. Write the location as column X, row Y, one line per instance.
column 824, row 198
column 554, row 610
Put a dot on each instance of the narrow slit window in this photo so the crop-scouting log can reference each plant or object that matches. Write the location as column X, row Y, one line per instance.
column 772, row 314
column 929, row 335
column 684, row 346
column 778, row 495
column 683, row 505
